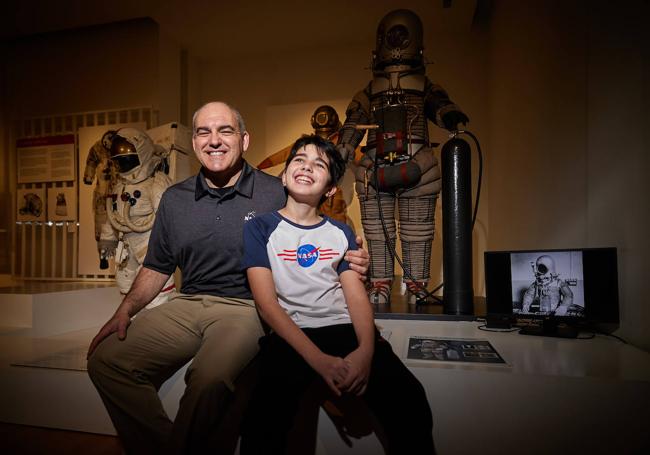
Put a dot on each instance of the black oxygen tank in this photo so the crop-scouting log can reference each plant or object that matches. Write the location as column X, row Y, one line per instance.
column 458, row 295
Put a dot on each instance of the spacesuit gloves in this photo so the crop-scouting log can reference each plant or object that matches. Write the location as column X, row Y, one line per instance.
column 452, row 119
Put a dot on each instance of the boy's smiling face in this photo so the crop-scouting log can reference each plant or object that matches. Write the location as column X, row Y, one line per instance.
column 307, row 174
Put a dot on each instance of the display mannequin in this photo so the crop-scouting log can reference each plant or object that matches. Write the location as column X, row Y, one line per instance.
column 132, row 203
column 398, row 168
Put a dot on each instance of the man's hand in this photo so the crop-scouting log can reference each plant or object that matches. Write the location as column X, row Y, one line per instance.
column 146, row 286
column 358, row 362
column 359, row 259
column 118, row 323
column 332, row 369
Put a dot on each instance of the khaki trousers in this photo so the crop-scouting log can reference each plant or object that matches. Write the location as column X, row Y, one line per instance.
column 220, row 334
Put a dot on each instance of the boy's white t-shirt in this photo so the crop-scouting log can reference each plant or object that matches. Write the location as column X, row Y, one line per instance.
column 306, row 262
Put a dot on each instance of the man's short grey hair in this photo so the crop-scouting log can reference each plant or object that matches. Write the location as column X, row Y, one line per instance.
column 240, row 120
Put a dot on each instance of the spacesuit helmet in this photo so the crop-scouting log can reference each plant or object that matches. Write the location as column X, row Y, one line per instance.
column 544, row 269
column 325, row 121
column 399, row 40
column 131, row 150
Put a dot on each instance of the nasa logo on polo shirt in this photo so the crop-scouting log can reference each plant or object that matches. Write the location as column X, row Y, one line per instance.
column 306, row 255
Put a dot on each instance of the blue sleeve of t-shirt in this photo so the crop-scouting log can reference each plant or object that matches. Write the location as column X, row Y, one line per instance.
column 255, row 240
column 352, row 244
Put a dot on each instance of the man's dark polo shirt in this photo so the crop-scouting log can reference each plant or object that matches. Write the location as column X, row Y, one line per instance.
column 200, row 231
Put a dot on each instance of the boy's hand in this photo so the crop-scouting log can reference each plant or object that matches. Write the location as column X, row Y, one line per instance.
column 358, row 362
column 332, row 369
column 359, row 259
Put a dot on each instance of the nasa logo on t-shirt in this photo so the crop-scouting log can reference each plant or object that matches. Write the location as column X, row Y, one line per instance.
column 307, row 255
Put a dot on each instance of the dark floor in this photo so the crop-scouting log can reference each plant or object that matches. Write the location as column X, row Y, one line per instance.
column 28, row 440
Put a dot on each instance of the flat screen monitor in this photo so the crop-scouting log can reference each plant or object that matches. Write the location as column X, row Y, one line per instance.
column 572, row 286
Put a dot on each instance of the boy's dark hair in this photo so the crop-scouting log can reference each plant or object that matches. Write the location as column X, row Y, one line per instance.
column 336, row 161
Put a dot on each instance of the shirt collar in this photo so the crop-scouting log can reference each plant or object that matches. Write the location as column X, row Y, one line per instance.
column 243, row 186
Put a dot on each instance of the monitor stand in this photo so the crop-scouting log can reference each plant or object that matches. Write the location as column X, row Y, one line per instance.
column 550, row 328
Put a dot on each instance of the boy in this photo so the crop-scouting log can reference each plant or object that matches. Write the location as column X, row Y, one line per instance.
column 320, row 315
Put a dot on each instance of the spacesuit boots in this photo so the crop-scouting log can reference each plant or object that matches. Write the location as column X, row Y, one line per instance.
column 416, row 229
column 416, row 292
column 379, row 291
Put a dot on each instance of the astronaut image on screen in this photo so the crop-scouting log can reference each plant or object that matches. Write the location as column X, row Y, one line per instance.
column 557, row 287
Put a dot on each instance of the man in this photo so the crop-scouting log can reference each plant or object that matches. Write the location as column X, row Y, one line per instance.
column 212, row 320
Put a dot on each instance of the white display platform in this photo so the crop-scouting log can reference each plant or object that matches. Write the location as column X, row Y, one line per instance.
column 50, row 308
column 52, row 322
column 552, row 395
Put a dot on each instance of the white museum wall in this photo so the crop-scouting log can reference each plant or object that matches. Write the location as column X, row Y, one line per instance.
column 618, row 139
column 569, row 131
column 190, row 96
column 167, row 100
column 538, row 124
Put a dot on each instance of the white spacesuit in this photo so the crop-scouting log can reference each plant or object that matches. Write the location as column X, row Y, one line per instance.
column 398, row 159
column 549, row 294
column 132, row 205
